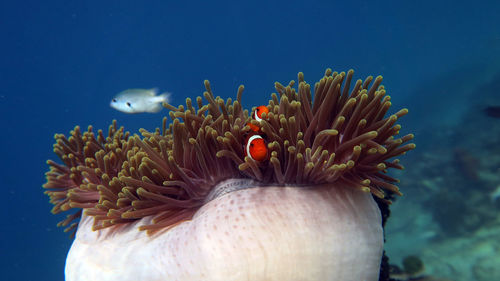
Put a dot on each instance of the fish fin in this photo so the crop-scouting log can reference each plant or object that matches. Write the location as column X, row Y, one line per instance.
column 156, row 108
column 158, row 102
column 164, row 97
column 153, row 91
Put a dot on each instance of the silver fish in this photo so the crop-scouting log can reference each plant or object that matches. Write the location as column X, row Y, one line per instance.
column 139, row 100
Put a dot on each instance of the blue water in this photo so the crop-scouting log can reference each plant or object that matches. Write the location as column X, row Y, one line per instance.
column 62, row 61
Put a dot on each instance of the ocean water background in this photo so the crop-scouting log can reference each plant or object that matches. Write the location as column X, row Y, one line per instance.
column 62, row 61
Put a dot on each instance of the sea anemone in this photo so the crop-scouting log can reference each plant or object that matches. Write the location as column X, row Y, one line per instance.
column 185, row 203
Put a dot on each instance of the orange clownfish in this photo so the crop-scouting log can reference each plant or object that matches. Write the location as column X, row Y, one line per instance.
column 257, row 115
column 256, row 148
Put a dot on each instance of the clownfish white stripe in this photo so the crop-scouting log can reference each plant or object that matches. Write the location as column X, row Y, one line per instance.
column 249, row 142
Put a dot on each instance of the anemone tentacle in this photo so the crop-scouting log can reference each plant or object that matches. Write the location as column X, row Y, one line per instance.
column 338, row 134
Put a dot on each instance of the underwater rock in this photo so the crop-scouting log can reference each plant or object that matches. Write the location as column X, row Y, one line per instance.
column 413, row 265
column 487, row 269
column 492, row 111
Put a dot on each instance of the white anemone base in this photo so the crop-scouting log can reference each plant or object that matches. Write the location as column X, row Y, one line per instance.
column 260, row 233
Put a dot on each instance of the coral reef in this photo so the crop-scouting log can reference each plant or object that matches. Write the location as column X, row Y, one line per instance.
column 340, row 135
column 305, row 209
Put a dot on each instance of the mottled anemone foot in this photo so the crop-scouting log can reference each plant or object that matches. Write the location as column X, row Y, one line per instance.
column 187, row 202
column 278, row 233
